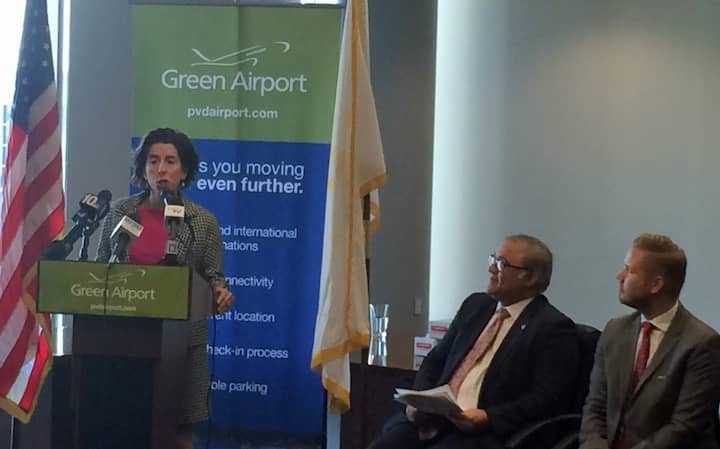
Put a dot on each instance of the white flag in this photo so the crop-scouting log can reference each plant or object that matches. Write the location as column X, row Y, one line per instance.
column 356, row 168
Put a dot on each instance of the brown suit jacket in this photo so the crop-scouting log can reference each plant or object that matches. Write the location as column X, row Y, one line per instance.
column 675, row 404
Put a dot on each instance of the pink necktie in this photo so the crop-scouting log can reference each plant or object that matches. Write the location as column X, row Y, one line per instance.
column 481, row 346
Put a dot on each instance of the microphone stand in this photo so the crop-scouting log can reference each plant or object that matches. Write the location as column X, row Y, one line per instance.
column 84, row 243
column 171, row 246
column 86, row 233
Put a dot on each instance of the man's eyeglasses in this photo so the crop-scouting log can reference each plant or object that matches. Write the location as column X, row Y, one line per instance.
column 501, row 263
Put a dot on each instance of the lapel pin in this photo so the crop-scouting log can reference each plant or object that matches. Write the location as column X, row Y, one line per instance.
column 522, row 327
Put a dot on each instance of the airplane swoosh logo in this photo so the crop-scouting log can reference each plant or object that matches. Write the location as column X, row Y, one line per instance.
column 246, row 55
column 118, row 278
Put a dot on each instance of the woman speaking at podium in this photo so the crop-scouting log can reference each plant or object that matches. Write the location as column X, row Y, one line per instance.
column 166, row 161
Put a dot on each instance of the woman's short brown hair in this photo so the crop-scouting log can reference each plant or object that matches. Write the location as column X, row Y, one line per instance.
column 189, row 159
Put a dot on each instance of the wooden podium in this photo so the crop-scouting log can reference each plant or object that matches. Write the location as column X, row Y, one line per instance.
column 371, row 392
column 128, row 366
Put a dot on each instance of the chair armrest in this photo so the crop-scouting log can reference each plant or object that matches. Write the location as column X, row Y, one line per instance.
column 569, row 442
column 551, row 429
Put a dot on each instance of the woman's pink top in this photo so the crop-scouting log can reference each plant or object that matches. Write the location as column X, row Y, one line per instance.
column 149, row 248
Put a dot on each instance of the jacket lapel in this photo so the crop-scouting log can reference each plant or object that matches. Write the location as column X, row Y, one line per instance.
column 512, row 340
column 184, row 235
column 481, row 317
column 517, row 331
column 130, row 207
column 621, row 364
column 671, row 338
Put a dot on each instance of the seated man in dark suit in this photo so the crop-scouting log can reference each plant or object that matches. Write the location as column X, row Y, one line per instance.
column 654, row 384
column 509, row 357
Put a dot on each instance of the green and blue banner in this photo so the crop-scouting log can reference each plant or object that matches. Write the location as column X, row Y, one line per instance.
column 254, row 88
column 118, row 289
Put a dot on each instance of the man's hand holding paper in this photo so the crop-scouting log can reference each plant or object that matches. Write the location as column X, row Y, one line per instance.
column 438, row 401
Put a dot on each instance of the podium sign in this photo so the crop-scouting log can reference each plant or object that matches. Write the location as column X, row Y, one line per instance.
column 96, row 288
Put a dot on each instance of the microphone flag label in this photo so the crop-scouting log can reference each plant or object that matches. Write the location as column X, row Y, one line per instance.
column 174, row 211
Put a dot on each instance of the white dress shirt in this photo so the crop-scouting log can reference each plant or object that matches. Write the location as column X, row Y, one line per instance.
column 469, row 391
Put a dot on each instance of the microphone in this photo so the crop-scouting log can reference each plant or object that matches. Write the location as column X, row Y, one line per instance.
column 127, row 230
column 93, row 209
column 174, row 208
column 103, row 206
column 174, row 216
column 88, row 208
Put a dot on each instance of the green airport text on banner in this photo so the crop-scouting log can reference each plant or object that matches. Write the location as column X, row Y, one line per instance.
column 249, row 73
column 96, row 288
column 254, row 88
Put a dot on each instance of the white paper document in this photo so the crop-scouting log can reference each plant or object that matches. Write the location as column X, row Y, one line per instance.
column 440, row 400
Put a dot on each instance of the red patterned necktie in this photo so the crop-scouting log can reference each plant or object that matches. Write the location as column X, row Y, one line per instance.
column 643, row 353
column 481, row 346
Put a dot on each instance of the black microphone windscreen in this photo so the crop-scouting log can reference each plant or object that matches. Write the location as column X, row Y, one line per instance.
column 105, row 196
column 103, row 204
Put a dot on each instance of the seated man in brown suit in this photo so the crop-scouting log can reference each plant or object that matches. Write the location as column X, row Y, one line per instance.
column 509, row 357
column 655, row 382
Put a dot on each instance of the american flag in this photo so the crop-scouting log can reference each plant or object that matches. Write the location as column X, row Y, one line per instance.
column 32, row 214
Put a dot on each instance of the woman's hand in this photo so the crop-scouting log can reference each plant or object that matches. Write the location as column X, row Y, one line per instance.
column 223, row 299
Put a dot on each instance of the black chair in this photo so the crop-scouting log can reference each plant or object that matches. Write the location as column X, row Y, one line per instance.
column 561, row 432
column 558, row 432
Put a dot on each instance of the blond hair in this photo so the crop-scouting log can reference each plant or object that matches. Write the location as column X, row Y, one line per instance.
column 667, row 258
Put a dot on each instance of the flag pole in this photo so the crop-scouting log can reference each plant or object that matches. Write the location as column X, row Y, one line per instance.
column 365, row 352
column 12, row 432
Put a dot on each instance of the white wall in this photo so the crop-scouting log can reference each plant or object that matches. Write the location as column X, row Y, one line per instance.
column 98, row 81
column 583, row 123
column 402, row 50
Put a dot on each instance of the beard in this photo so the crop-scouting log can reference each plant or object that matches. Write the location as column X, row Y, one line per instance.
column 630, row 300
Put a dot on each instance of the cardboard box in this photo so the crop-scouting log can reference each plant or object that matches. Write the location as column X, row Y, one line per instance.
column 438, row 328
column 417, row 361
column 423, row 345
